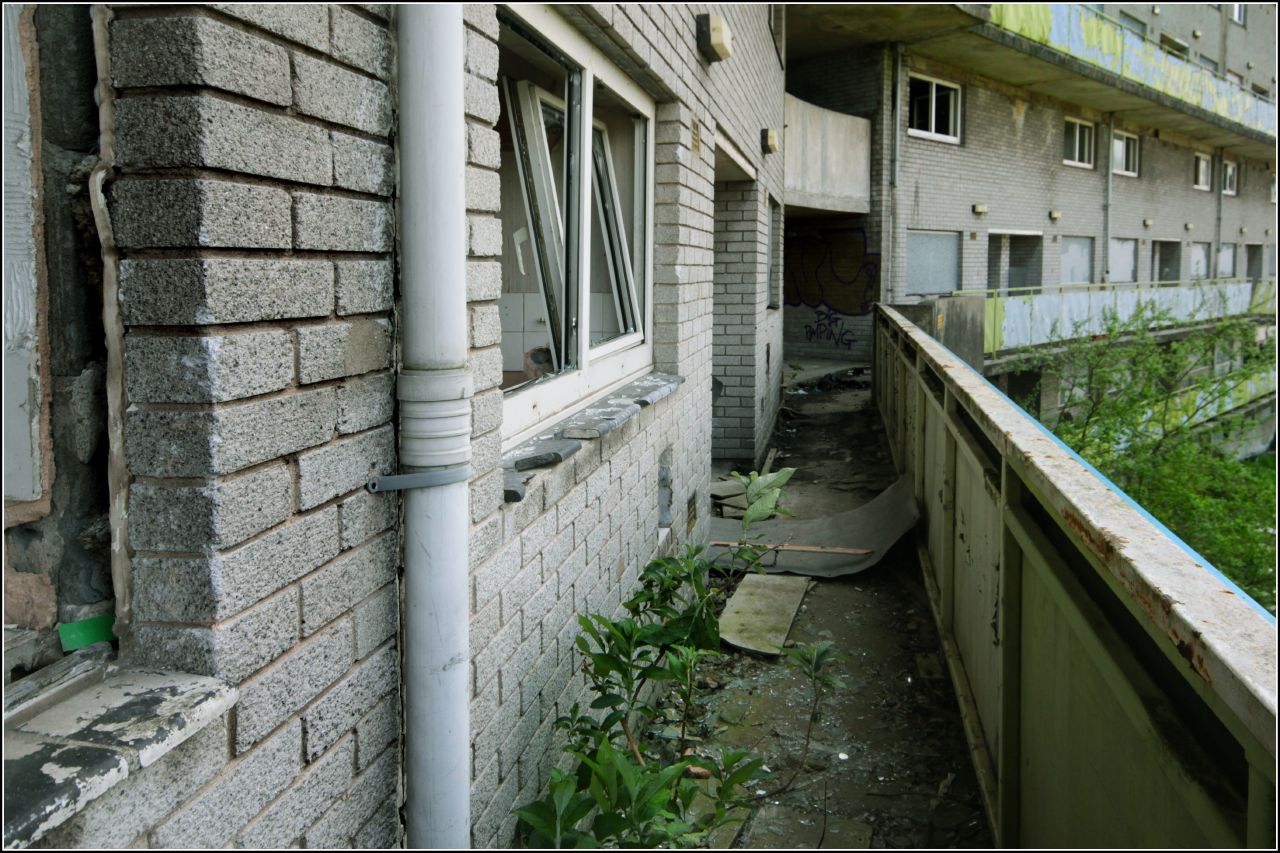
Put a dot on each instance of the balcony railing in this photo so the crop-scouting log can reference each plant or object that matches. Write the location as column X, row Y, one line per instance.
column 1039, row 315
column 1086, row 34
column 1117, row 690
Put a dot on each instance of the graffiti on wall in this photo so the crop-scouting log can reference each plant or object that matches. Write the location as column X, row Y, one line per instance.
column 833, row 272
column 833, row 268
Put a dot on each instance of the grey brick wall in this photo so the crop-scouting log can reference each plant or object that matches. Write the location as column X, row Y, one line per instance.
column 578, row 539
column 253, row 216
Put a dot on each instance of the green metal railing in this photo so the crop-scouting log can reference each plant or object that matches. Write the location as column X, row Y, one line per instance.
column 1116, row 690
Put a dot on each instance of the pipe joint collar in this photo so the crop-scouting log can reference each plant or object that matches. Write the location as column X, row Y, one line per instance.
column 435, row 418
column 434, row 385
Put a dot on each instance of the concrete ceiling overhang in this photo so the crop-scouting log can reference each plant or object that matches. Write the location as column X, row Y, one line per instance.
column 960, row 35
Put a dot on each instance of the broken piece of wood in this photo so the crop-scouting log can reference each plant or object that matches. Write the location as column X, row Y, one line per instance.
column 786, row 546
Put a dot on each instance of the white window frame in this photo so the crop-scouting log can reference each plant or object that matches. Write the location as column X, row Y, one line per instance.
column 1236, row 12
column 1093, row 143
column 1202, row 164
column 600, row 369
column 1231, row 185
column 1137, row 154
column 933, row 134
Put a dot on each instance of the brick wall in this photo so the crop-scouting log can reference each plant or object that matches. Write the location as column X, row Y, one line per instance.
column 251, row 208
column 577, row 540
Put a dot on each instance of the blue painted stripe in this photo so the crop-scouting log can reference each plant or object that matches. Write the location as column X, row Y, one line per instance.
column 1226, row 581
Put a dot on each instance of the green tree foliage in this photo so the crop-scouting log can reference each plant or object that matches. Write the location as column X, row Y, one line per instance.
column 1156, row 411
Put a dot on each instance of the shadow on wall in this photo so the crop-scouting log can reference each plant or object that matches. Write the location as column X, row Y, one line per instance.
column 831, row 270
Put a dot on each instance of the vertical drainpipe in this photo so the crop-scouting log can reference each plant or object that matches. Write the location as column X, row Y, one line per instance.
column 1106, row 199
column 434, row 390
column 894, row 144
column 1215, row 181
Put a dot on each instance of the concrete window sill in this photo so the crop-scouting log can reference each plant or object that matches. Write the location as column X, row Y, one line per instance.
column 564, row 439
column 92, row 725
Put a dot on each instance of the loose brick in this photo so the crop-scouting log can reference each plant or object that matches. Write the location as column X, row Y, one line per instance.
column 182, row 291
column 377, row 618
column 350, row 699
column 366, row 514
column 177, row 589
column 343, row 349
column 333, row 93
column 334, row 224
column 197, row 51
column 198, row 444
column 212, row 818
column 363, row 287
column 365, row 402
column 205, row 132
column 207, row 369
column 344, row 465
column 301, row 805
column 232, row 651
column 360, row 42
column 198, row 212
column 360, row 164
column 276, row 694
column 307, row 25
column 215, row 515
column 337, row 587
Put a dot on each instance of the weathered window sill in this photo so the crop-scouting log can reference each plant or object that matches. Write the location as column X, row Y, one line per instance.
column 564, row 439
column 75, row 733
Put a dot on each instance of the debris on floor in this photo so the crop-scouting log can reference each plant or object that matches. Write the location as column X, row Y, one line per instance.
column 759, row 614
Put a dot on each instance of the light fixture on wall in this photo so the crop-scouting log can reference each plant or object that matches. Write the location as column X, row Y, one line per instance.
column 715, row 42
column 1155, row 10
column 1195, row 34
column 768, row 140
column 1249, row 65
column 1244, row 230
column 979, row 209
column 1189, row 226
column 1055, row 215
column 1147, row 223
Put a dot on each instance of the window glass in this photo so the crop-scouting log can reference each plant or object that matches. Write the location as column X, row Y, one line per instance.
column 933, row 262
column 1077, row 260
column 1206, row 62
column 1237, row 12
column 1124, row 154
column 919, row 95
column 933, row 109
column 1077, row 145
column 1123, row 260
column 1227, row 260
column 1230, row 177
column 1201, row 172
column 1129, row 22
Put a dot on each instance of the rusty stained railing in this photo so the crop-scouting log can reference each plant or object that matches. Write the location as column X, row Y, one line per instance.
column 1117, row 691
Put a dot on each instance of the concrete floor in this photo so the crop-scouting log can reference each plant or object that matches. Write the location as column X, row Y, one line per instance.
column 888, row 765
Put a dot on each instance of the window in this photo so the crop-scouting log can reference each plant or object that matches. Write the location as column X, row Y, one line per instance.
column 1199, row 260
column 1076, row 261
column 1205, row 62
column 1077, row 144
column 576, row 176
column 1230, row 177
column 1124, row 154
column 1176, row 46
column 1236, row 12
column 1123, row 261
column 1236, row 78
column 1129, row 22
column 1260, row 90
column 1227, row 260
column 1202, row 169
column 933, row 262
column 933, row 109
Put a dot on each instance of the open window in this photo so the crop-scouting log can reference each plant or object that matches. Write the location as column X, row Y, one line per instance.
column 1077, row 143
column 1201, row 172
column 576, row 175
column 1230, row 177
column 1124, row 154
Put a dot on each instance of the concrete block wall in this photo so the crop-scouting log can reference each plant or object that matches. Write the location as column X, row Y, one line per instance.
column 740, row 226
column 586, row 526
column 251, row 208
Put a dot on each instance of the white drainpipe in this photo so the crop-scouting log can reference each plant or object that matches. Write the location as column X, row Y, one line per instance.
column 434, row 390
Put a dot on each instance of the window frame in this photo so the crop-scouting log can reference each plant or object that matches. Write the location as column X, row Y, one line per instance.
column 1137, row 153
column 1238, row 8
column 1197, row 159
column 601, row 368
column 1230, row 187
column 933, row 134
column 1093, row 143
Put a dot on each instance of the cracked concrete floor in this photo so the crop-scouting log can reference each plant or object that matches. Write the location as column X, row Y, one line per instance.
column 888, row 765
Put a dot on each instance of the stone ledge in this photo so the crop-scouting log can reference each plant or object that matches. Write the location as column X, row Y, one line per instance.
column 61, row 756
column 564, row 439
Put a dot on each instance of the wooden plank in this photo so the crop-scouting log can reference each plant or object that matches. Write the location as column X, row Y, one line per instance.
column 759, row 614
column 787, row 546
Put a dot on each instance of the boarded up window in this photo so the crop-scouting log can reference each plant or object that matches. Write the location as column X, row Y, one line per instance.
column 933, row 262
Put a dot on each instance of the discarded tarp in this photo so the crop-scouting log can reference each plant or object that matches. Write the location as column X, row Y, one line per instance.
column 875, row 527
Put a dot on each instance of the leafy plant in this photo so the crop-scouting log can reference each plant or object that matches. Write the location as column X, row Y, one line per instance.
column 813, row 660
column 1155, row 411
column 621, row 794
column 763, row 494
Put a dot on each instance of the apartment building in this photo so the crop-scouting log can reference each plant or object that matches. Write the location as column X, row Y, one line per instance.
column 1018, row 147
